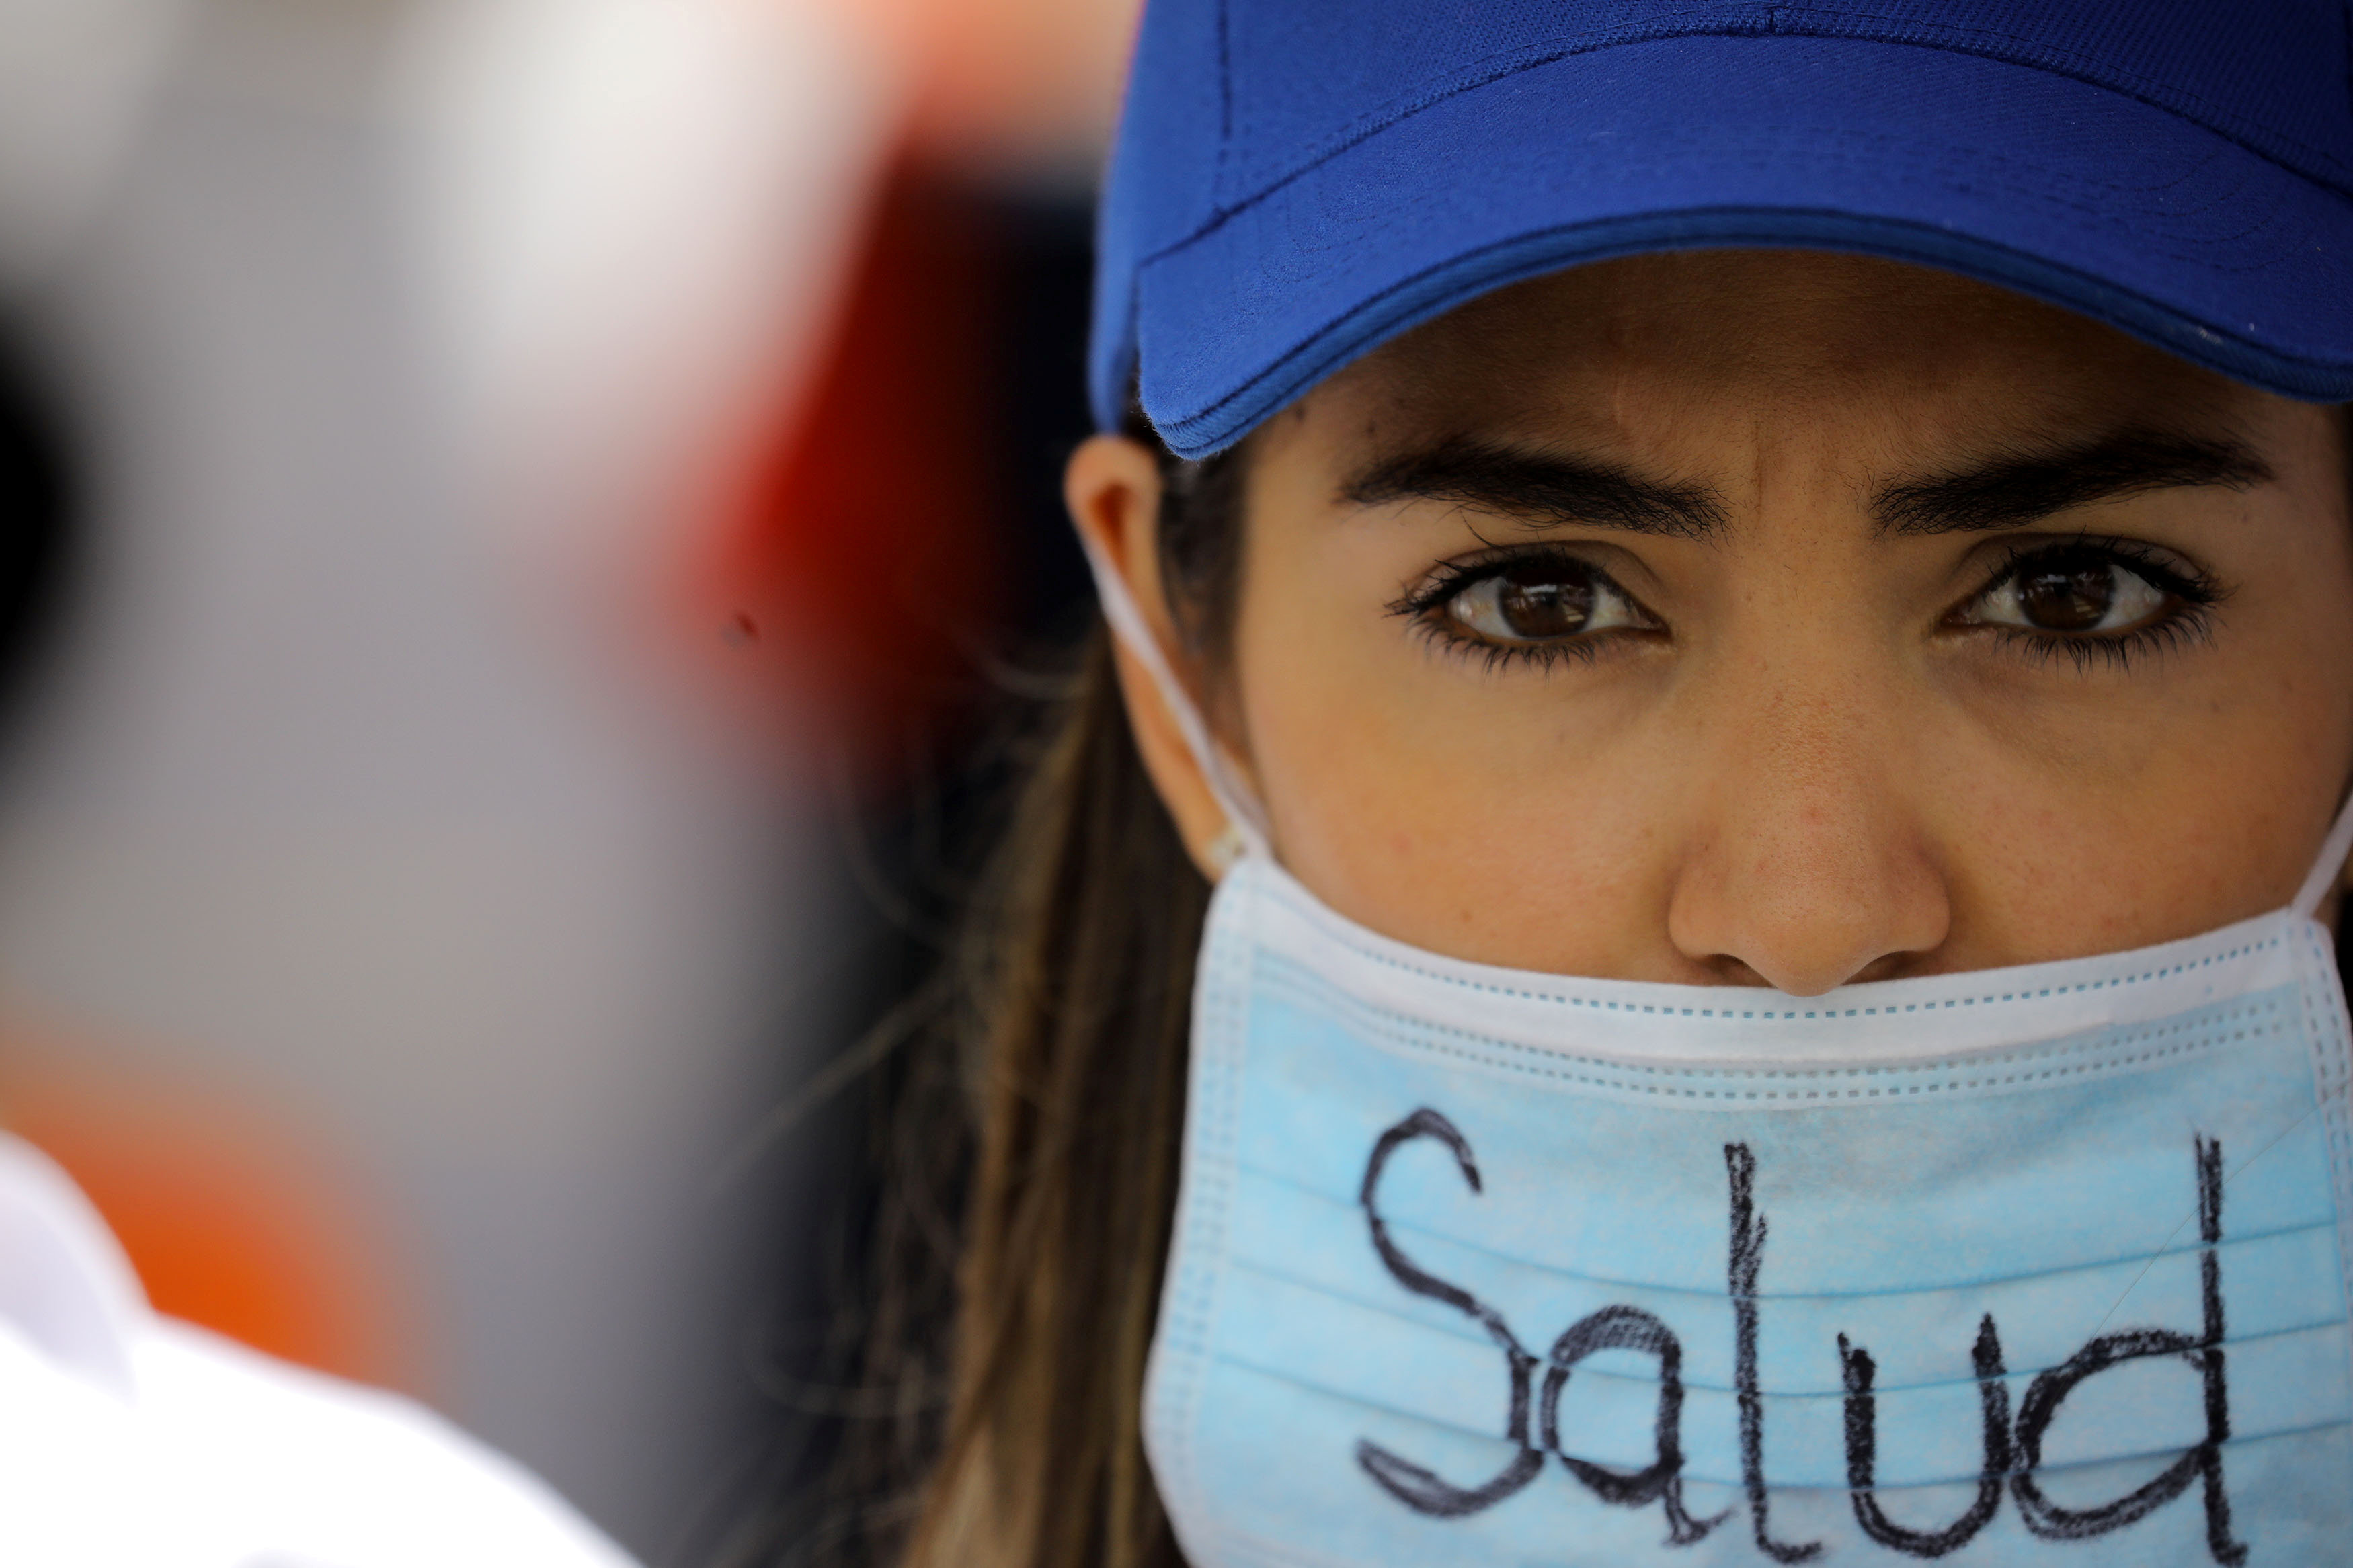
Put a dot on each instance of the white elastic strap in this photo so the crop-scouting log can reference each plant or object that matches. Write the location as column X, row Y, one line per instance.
column 1245, row 832
column 2330, row 865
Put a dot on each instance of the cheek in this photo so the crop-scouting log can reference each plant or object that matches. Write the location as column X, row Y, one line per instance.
column 2195, row 794
column 1485, row 819
column 2043, row 867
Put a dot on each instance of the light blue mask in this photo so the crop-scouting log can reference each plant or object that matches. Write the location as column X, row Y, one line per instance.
column 2028, row 1265
column 2034, row 1266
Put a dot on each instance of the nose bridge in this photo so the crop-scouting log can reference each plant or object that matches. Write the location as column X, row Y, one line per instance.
column 1808, row 864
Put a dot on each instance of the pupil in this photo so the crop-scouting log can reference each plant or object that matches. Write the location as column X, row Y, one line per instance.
column 1538, row 601
column 2068, row 596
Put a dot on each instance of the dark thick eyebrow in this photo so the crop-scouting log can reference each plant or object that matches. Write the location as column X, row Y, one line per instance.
column 1543, row 490
column 2018, row 489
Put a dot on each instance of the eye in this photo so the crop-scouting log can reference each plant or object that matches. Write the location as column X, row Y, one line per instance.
column 1537, row 600
column 2077, row 590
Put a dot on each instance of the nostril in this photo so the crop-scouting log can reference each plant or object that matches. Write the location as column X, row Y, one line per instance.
column 1805, row 911
column 1888, row 966
column 1802, row 967
column 1731, row 970
column 1796, row 977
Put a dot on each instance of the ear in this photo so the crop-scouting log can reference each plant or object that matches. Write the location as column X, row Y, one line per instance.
column 1113, row 488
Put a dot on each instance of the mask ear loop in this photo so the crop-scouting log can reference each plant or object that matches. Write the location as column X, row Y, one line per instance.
column 2329, row 866
column 1245, row 831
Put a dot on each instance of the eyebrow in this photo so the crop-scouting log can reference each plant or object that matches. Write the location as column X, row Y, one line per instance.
column 2008, row 492
column 2023, row 488
column 1541, row 487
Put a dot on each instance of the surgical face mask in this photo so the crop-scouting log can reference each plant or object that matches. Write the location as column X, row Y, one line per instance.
column 2043, row 1265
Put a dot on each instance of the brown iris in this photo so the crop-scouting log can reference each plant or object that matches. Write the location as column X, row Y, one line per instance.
column 1543, row 599
column 2067, row 593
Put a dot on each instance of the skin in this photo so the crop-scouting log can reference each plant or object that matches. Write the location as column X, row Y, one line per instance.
column 1805, row 766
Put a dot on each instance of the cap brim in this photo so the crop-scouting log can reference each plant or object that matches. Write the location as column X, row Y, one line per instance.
column 2021, row 177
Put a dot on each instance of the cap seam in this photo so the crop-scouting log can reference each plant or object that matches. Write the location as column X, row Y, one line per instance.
column 1374, row 122
column 1225, row 105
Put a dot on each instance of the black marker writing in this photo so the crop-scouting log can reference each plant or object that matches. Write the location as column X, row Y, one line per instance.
column 1862, row 1448
column 2012, row 1448
column 1612, row 1328
column 1632, row 1329
column 2044, row 1397
column 1419, row 1487
column 1748, row 1260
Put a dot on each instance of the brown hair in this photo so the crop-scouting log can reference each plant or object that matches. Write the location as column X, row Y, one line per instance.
column 1030, row 1146
column 1079, row 978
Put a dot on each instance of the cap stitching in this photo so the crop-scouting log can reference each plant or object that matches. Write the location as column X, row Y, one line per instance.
column 1492, row 69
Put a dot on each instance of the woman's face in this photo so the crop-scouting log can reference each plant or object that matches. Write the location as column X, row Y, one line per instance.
column 1761, row 617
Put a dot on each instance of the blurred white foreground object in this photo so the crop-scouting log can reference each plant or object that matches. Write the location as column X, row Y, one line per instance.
column 132, row 1441
column 403, row 341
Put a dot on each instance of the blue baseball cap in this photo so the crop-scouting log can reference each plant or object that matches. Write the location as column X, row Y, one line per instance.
column 1296, row 181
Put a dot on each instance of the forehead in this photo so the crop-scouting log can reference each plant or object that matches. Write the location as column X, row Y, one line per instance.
column 1646, row 349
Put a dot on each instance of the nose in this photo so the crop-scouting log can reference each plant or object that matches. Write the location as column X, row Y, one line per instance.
column 1805, row 869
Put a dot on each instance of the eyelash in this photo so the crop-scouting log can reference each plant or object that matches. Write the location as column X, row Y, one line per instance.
column 1422, row 604
column 2195, row 596
column 2189, row 620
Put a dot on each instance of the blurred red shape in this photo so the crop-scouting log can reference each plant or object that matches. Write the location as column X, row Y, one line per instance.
column 862, row 565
